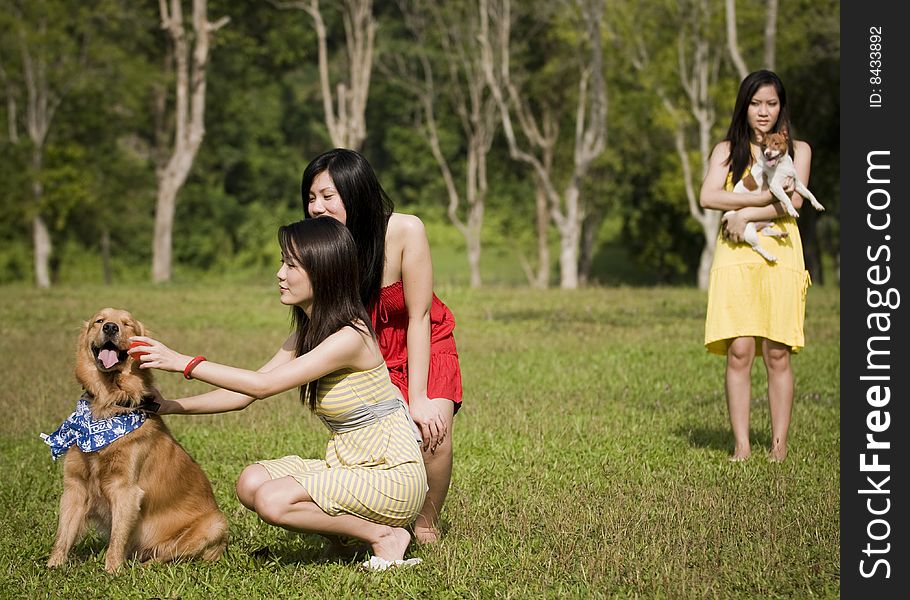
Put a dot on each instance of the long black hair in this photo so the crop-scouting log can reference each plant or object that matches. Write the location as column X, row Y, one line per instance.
column 368, row 209
column 324, row 249
column 739, row 134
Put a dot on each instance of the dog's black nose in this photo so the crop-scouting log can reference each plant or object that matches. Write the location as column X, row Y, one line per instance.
column 110, row 328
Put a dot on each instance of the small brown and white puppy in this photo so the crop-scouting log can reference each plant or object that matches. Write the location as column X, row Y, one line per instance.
column 777, row 166
column 143, row 491
column 751, row 184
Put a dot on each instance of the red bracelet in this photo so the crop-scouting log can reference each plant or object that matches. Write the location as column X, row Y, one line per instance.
column 188, row 371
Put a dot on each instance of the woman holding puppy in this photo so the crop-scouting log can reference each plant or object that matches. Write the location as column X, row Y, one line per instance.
column 372, row 482
column 414, row 328
column 754, row 305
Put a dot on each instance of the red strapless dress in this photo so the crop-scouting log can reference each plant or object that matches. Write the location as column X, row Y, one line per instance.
column 390, row 320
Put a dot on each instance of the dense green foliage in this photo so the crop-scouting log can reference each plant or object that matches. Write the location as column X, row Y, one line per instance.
column 264, row 121
column 590, row 454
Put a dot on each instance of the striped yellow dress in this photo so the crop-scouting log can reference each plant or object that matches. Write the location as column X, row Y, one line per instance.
column 375, row 470
column 748, row 296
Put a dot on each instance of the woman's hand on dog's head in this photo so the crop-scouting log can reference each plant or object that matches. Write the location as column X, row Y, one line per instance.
column 152, row 354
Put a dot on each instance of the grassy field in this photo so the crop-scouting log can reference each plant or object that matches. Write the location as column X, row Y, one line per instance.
column 591, row 453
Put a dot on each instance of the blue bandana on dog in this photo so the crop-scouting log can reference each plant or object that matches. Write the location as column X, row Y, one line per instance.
column 88, row 433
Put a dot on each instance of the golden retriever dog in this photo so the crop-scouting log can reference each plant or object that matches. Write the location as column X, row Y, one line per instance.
column 142, row 490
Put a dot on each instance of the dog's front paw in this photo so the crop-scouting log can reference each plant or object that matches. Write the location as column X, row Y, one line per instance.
column 792, row 212
column 112, row 565
column 55, row 561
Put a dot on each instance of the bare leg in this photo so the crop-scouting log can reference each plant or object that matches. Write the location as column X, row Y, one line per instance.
column 249, row 482
column 780, row 394
column 285, row 503
column 439, row 476
column 740, row 355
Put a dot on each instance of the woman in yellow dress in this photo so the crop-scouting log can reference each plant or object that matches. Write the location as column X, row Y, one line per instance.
column 754, row 304
column 372, row 482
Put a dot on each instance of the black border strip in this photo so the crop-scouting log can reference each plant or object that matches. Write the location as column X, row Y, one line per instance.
column 874, row 268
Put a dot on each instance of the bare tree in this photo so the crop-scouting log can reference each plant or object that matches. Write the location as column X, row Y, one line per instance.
column 43, row 98
column 565, row 206
column 733, row 39
column 541, row 133
column 690, row 103
column 770, row 37
column 466, row 92
column 189, row 120
column 346, row 124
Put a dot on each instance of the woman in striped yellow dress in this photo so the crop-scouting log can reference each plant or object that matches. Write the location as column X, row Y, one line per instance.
column 372, row 482
column 753, row 305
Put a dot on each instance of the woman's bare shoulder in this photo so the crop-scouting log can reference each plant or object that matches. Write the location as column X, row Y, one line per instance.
column 721, row 150
column 800, row 146
column 405, row 225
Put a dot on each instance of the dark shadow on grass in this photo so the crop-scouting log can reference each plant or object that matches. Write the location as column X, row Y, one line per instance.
column 286, row 552
column 715, row 438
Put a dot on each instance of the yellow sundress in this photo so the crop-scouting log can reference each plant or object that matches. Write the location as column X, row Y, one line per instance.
column 748, row 296
column 375, row 470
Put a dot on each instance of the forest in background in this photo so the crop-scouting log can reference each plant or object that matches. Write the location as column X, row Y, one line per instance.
column 555, row 143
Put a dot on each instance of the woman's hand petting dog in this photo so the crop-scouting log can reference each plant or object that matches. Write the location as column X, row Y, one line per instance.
column 154, row 403
column 154, row 354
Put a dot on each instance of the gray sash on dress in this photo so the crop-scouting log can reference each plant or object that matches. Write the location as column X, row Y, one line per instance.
column 367, row 414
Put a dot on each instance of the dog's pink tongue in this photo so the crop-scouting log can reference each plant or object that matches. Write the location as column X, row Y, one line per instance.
column 108, row 358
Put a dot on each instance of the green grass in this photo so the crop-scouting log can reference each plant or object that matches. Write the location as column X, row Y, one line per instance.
column 591, row 453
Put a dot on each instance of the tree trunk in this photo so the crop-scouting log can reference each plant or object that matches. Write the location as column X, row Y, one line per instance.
column 542, row 280
column 346, row 124
column 590, row 125
column 162, row 244
column 771, row 35
column 41, row 240
column 733, row 40
column 466, row 92
column 569, row 239
column 41, row 235
column 568, row 259
column 189, row 121
column 474, row 250
column 42, row 103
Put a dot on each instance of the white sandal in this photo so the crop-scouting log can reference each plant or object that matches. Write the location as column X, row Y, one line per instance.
column 377, row 563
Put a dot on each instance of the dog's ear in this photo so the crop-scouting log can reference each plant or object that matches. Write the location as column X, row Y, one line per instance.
column 139, row 328
column 785, row 132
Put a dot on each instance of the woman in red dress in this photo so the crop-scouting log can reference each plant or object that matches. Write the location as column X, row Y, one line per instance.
column 413, row 326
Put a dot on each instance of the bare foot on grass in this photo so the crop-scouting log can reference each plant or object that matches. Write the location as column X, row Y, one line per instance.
column 740, row 453
column 391, row 546
column 778, row 454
